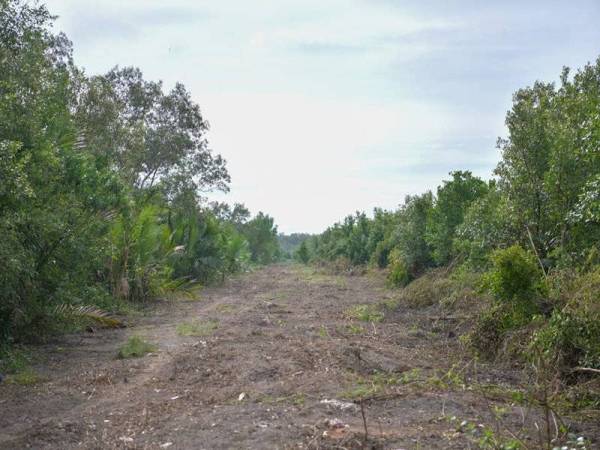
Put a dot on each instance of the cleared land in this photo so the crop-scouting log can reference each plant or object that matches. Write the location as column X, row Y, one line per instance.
column 279, row 358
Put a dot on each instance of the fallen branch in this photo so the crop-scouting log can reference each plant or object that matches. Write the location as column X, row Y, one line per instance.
column 586, row 369
column 450, row 318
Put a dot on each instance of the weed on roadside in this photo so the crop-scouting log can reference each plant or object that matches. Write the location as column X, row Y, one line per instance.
column 365, row 313
column 379, row 384
column 136, row 347
column 197, row 328
column 15, row 363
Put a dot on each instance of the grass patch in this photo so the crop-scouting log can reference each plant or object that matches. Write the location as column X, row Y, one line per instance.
column 312, row 276
column 365, row 313
column 390, row 304
column 323, row 331
column 379, row 383
column 355, row 329
column 14, row 360
column 298, row 399
column 136, row 347
column 26, row 377
column 197, row 328
column 225, row 309
column 15, row 364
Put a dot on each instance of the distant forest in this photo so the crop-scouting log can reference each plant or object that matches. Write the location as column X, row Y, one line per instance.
column 289, row 243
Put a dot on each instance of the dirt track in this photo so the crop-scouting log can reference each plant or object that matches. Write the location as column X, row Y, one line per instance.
column 283, row 344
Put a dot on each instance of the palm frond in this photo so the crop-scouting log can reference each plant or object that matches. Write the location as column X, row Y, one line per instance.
column 88, row 312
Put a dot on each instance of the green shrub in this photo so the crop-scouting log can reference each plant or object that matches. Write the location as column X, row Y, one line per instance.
column 136, row 347
column 398, row 275
column 434, row 287
column 381, row 254
column 573, row 331
column 302, row 253
column 516, row 279
column 365, row 313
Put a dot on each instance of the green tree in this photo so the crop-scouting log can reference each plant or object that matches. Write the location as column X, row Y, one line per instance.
column 453, row 199
column 302, row 253
column 261, row 234
column 410, row 234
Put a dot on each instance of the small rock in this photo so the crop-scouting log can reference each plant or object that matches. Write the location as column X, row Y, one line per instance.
column 339, row 404
column 242, row 396
column 166, row 444
column 335, row 423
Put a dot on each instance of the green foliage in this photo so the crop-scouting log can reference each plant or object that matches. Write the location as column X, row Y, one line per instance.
column 411, row 230
column 302, row 254
column 136, row 347
column 515, row 278
column 197, row 328
column 100, row 186
column 290, row 243
column 261, row 233
column 365, row 313
column 573, row 331
column 486, row 226
column 398, row 274
column 453, row 199
column 549, row 163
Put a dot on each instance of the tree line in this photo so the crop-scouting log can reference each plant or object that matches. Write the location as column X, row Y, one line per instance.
column 101, row 183
column 530, row 234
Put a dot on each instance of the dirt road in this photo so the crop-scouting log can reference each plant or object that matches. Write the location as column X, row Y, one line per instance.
column 280, row 359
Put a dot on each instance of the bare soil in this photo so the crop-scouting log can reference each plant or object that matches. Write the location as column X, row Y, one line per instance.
column 285, row 343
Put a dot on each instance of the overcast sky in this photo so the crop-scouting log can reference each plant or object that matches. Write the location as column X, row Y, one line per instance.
column 324, row 107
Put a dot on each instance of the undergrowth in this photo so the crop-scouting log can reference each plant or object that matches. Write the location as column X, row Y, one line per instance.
column 197, row 328
column 136, row 347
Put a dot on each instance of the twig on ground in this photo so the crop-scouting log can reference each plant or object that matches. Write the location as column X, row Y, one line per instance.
column 586, row 369
column 362, row 413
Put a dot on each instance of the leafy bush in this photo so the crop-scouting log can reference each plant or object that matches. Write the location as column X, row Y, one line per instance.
column 302, row 254
column 516, row 279
column 136, row 347
column 398, row 274
column 487, row 335
column 573, row 331
column 434, row 287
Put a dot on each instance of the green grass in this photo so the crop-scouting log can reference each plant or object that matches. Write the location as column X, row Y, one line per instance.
column 25, row 377
column 15, row 363
column 14, row 360
column 390, row 304
column 136, row 347
column 365, row 313
column 197, row 328
column 225, row 309
column 355, row 329
column 312, row 276
column 379, row 383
